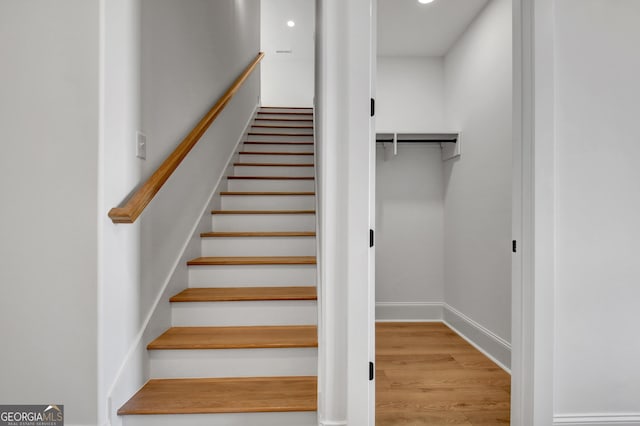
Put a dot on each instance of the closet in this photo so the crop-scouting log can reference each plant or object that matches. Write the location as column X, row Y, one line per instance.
column 443, row 179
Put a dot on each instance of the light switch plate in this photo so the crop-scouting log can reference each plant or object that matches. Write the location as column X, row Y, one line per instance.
column 141, row 145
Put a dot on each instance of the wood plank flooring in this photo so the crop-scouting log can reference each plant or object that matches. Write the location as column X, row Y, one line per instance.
column 428, row 375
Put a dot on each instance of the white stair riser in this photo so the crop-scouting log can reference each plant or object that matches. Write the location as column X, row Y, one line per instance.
column 276, row 138
column 283, row 130
column 280, row 147
column 252, row 275
column 271, row 185
column 234, row 419
column 244, row 313
column 284, row 159
column 285, row 116
column 274, row 108
column 273, row 171
column 202, row 363
column 259, row 246
column 264, row 222
column 268, row 202
column 295, row 122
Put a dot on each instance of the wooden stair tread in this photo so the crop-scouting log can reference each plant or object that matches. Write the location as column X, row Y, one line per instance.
column 284, row 113
column 286, row 107
column 245, row 337
column 267, row 193
column 263, row 212
column 275, row 126
column 258, row 234
column 271, row 177
column 274, row 164
column 284, row 119
column 234, row 294
column 224, row 395
column 253, row 260
column 274, row 153
column 278, row 143
column 279, row 134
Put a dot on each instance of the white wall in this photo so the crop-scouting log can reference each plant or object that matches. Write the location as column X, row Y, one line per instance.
column 165, row 64
column 287, row 78
column 409, row 189
column 409, row 94
column 596, row 346
column 48, row 180
column 409, row 229
column 477, row 208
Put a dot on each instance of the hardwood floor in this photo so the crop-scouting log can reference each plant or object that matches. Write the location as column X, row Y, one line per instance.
column 428, row 375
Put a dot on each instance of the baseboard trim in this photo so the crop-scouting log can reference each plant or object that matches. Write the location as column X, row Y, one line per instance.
column 333, row 423
column 408, row 311
column 483, row 339
column 600, row 419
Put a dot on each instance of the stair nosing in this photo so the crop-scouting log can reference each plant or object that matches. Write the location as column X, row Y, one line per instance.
column 266, row 126
column 278, row 134
column 244, row 294
column 268, row 193
column 257, row 234
column 134, row 407
column 251, row 260
column 241, row 212
column 170, row 339
column 273, row 165
column 284, row 119
column 279, row 142
column 271, row 177
column 284, row 113
column 275, row 153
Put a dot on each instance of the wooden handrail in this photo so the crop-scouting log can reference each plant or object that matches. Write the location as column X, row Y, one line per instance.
column 143, row 196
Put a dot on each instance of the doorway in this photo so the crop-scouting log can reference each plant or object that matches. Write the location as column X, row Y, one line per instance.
column 443, row 214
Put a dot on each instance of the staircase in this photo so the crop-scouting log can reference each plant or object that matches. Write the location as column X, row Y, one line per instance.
column 243, row 346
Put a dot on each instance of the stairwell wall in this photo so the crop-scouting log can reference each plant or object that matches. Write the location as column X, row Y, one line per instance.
column 164, row 65
column 288, row 65
column 478, row 185
column 48, row 180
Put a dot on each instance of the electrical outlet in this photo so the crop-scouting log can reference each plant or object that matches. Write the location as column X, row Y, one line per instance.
column 141, row 145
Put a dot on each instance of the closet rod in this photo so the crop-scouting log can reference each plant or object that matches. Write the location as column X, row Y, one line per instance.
column 417, row 137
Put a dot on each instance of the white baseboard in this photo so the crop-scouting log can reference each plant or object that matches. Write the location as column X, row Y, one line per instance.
column 333, row 423
column 600, row 419
column 408, row 311
column 483, row 339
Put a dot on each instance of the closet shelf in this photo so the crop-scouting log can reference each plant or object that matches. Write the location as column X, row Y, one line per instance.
column 417, row 137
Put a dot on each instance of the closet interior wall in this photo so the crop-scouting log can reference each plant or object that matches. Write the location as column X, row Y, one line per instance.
column 409, row 190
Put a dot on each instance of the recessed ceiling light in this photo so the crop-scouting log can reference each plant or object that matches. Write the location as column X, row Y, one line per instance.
column 292, row 24
column 425, row 1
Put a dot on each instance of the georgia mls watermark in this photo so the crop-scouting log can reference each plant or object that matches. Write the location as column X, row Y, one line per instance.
column 32, row 415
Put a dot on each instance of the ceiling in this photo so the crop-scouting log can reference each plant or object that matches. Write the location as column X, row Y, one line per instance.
column 407, row 28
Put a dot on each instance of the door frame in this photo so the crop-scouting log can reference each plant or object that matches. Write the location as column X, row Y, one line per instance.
column 534, row 190
column 344, row 40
